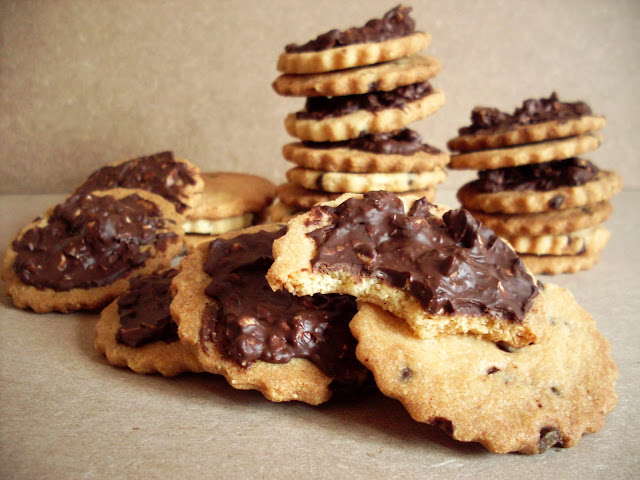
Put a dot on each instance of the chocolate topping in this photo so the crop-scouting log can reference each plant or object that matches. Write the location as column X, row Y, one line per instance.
column 399, row 142
column 250, row 322
column 159, row 174
column 89, row 241
column 570, row 172
column 451, row 265
column 144, row 311
column 395, row 23
column 488, row 120
column 318, row 108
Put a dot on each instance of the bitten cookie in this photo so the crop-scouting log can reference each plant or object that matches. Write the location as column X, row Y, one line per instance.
column 177, row 181
column 230, row 201
column 82, row 253
column 526, row 400
column 442, row 271
column 287, row 347
column 379, row 40
column 136, row 330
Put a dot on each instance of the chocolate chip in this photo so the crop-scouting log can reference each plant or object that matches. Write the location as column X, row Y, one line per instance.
column 550, row 437
column 505, row 347
column 556, row 202
column 491, row 370
column 406, row 374
column 556, row 391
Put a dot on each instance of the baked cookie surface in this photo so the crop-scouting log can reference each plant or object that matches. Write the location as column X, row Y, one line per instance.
column 546, row 394
column 82, row 253
column 439, row 269
column 136, row 330
column 287, row 347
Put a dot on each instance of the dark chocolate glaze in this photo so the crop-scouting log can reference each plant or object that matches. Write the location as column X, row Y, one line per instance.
column 395, row 23
column 318, row 108
column 570, row 172
column 489, row 120
column 451, row 265
column 89, row 241
column 398, row 142
column 250, row 322
column 159, row 174
column 144, row 311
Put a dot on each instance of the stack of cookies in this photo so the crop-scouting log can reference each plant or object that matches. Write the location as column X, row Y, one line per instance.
column 532, row 188
column 364, row 86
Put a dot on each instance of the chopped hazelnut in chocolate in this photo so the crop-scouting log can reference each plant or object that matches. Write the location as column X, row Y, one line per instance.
column 144, row 311
column 250, row 322
column 89, row 241
column 570, row 172
column 159, row 174
column 487, row 120
column 451, row 265
column 395, row 23
column 398, row 142
column 318, row 108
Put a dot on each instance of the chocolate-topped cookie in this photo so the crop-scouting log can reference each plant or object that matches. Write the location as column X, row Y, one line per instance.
column 288, row 347
column 440, row 270
column 82, row 253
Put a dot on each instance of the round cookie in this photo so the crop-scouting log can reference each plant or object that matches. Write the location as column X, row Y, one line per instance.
column 379, row 77
column 93, row 245
column 303, row 198
column 364, row 182
column 137, row 331
column 230, row 201
column 287, row 347
column 362, row 121
column 553, row 222
column 604, row 186
column 439, row 269
column 525, row 154
column 547, row 394
column 344, row 159
column 379, row 40
column 535, row 121
column 571, row 243
column 176, row 180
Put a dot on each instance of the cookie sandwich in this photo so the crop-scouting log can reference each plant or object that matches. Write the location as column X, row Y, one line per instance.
column 285, row 346
column 230, row 201
column 452, row 323
column 364, row 86
column 83, row 252
column 534, row 188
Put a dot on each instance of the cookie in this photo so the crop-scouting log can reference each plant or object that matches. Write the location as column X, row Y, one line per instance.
column 303, row 198
column 525, row 154
column 373, row 78
column 364, row 182
column 527, row 400
column 557, row 264
column 287, row 347
column 230, row 201
column 341, row 118
column 535, row 121
column 439, row 269
column 281, row 212
column 553, row 222
column 176, row 180
column 82, row 253
column 136, row 330
column 571, row 243
column 380, row 40
column 602, row 187
column 389, row 152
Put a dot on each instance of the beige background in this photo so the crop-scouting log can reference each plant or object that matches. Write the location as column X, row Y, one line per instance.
column 88, row 83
